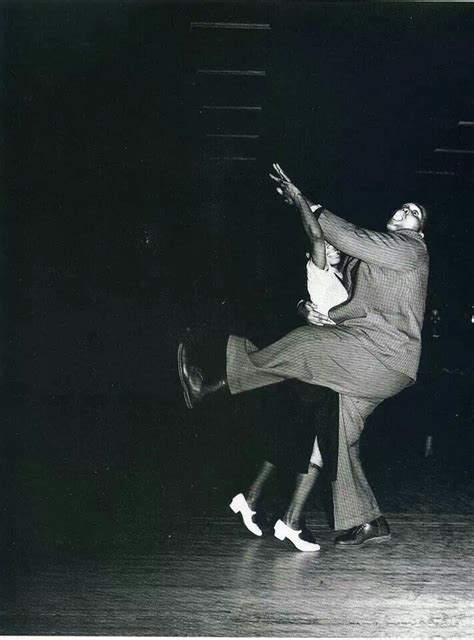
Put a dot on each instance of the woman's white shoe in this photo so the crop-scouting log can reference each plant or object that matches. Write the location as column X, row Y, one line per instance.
column 239, row 504
column 283, row 531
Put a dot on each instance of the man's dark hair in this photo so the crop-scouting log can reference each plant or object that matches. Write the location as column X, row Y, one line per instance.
column 424, row 213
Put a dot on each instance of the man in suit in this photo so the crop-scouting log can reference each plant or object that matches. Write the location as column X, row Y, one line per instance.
column 367, row 349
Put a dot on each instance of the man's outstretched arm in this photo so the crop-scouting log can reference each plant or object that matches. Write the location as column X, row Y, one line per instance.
column 393, row 250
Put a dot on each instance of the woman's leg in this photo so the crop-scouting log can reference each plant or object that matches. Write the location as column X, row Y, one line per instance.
column 247, row 505
column 291, row 526
column 253, row 494
column 304, row 485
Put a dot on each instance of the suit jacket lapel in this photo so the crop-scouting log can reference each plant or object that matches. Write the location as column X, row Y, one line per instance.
column 349, row 272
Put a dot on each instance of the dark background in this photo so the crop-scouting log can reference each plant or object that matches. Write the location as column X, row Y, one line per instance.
column 120, row 231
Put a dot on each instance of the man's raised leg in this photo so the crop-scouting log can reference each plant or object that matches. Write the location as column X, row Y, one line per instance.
column 326, row 356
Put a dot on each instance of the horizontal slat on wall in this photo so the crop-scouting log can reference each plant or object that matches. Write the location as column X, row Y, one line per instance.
column 454, row 150
column 439, row 163
column 239, row 26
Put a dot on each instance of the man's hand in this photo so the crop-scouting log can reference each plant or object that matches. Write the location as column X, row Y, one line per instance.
column 311, row 314
column 285, row 187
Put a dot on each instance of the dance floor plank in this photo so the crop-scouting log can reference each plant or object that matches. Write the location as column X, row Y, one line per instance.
column 210, row 577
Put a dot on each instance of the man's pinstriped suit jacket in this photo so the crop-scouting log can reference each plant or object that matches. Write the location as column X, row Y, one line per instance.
column 386, row 275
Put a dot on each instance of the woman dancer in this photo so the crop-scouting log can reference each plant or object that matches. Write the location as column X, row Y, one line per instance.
column 315, row 408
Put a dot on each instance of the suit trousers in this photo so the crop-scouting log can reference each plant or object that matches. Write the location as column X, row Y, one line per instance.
column 331, row 357
column 353, row 499
column 328, row 356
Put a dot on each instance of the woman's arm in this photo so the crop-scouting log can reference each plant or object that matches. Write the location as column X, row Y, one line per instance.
column 311, row 226
column 313, row 231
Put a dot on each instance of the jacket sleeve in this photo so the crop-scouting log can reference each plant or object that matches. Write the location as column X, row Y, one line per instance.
column 397, row 251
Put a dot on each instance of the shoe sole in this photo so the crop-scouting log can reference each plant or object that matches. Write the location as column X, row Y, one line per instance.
column 187, row 397
column 357, row 546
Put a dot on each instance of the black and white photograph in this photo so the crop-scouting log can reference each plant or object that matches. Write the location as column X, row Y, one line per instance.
column 237, row 320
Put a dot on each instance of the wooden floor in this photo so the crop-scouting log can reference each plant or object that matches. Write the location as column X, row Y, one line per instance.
column 210, row 577
column 125, row 530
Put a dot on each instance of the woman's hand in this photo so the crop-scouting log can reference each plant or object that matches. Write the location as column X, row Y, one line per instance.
column 285, row 187
column 310, row 313
column 280, row 173
column 289, row 192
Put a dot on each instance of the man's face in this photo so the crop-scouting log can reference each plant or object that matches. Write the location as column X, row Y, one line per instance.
column 408, row 216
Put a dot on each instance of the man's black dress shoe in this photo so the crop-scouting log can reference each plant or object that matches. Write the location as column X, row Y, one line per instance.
column 375, row 531
column 191, row 378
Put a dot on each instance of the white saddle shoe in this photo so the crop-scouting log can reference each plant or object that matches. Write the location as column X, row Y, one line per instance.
column 239, row 504
column 283, row 531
